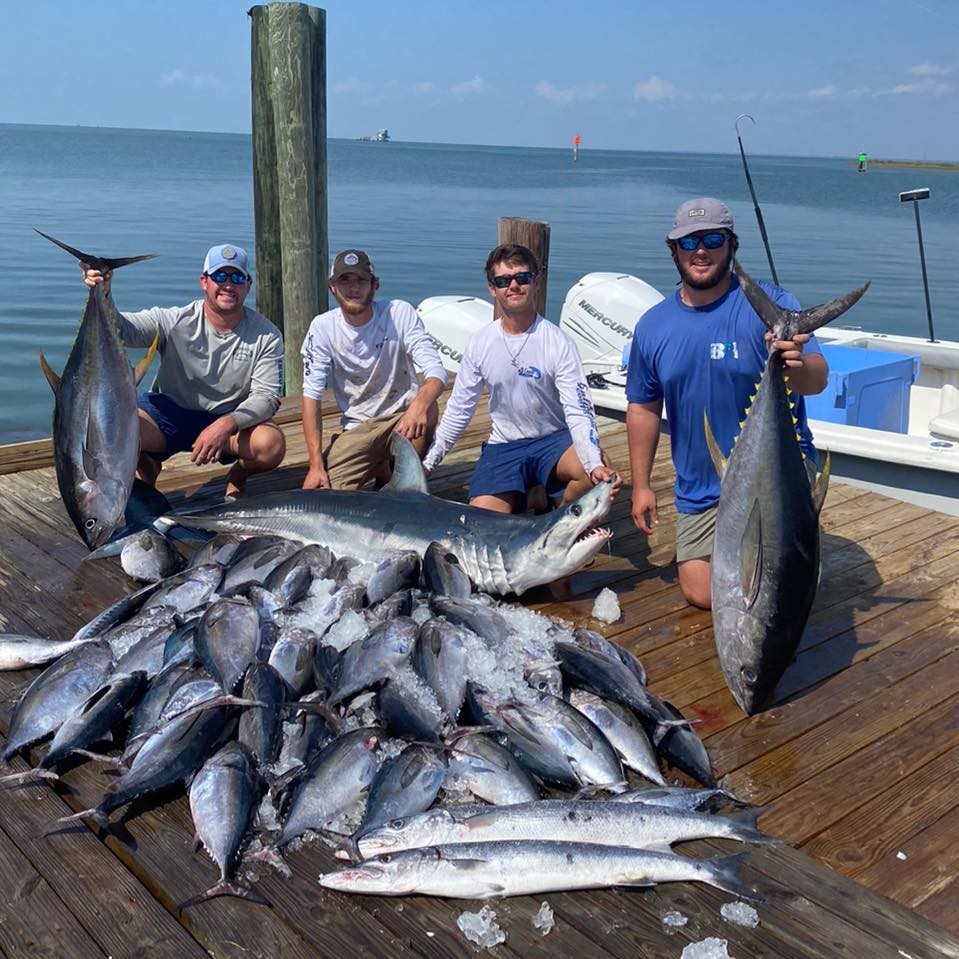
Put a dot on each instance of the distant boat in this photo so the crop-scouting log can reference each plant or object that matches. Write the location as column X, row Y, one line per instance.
column 381, row 136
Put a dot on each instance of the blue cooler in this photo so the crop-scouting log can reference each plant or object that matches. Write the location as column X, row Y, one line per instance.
column 866, row 387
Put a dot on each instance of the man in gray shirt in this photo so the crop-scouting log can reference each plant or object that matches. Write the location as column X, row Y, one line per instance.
column 220, row 375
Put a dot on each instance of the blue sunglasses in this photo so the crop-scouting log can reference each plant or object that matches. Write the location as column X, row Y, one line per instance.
column 234, row 276
column 712, row 241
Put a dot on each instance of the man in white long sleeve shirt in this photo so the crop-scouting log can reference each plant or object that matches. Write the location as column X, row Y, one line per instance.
column 374, row 353
column 220, row 375
column 544, row 428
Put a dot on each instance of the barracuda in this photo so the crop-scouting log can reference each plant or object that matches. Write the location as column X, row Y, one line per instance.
column 765, row 563
column 96, row 433
column 500, row 553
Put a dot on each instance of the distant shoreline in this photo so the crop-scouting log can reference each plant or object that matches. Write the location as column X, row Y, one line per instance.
column 916, row 164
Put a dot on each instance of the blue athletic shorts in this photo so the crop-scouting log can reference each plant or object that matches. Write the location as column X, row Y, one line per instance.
column 518, row 466
column 179, row 426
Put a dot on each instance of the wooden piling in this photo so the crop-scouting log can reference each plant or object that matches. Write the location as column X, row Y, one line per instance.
column 533, row 234
column 288, row 62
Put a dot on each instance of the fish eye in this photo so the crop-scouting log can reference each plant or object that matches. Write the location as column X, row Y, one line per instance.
column 397, row 823
column 89, row 524
column 749, row 675
column 384, row 857
column 576, row 509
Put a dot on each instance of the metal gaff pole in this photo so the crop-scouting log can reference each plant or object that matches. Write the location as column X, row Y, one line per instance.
column 752, row 192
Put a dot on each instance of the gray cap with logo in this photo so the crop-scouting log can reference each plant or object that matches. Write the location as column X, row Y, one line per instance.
column 703, row 213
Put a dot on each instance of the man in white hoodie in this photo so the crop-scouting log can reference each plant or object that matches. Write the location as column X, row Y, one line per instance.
column 374, row 352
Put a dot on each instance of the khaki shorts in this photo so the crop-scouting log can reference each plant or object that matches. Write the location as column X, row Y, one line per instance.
column 694, row 535
column 361, row 453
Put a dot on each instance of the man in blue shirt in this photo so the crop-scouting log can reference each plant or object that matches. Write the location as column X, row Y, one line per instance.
column 702, row 349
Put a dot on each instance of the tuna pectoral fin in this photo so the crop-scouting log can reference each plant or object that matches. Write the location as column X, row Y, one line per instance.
column 715, row 453
column 751, row 556
column 139, row 371
column 821, row 486
column 52, row 377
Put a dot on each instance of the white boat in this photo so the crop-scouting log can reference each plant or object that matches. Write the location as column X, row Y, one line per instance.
column 889, row 416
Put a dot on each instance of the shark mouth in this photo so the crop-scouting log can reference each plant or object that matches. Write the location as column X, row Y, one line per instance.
column 594, row 532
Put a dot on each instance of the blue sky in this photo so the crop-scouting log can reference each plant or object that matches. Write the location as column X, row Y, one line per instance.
column 820, row 78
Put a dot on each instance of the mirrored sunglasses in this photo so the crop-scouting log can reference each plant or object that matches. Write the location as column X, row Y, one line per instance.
column 524, row 279
column 234, row 276
column 712, row 241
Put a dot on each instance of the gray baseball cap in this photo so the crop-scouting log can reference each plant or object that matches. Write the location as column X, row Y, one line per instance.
column 703, row 213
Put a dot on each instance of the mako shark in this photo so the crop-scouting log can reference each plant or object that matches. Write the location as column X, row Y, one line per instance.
column 501, row 553
column 764, row 570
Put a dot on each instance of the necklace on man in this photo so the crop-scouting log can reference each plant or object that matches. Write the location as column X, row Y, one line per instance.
column 514, row 357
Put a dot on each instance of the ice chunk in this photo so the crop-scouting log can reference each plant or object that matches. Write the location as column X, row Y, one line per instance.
column 606, row 608
column 544, row 920
column 349, row 628
column 674, row 920
column 739, row 913
column 481, row 927
column 711, row 948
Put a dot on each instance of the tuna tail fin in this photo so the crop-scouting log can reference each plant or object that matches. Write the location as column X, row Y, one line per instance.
column 224, row 889
column 723, row 873
column 784, row 324
column 97, row 262
column 715, row 453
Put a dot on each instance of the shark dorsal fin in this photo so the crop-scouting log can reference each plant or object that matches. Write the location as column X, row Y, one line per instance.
column 407, row 469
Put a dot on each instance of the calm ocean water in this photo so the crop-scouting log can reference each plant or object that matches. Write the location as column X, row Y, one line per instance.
column 427, row 214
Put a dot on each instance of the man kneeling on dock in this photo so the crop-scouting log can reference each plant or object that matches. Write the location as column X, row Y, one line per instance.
column 374, row 353
column 220, row 375
column 544, row 428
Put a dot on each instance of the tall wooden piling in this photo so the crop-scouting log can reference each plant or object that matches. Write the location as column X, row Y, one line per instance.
column 533, row 234
column 289, row 171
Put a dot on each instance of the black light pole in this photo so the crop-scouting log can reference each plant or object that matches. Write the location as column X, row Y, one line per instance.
column 915, row 196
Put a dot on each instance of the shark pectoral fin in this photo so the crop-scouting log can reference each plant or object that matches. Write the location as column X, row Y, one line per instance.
column 407, row 469
column 139, row 371
column 821, row 487
column 719, row 461
column 751, row 556
column 52, row 377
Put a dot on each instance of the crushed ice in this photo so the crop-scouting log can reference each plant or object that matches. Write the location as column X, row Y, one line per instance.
column 674, row 920
column 606, row 608
column 711, row 948
column 740, row 913
column 543, row 920
column 481, row 927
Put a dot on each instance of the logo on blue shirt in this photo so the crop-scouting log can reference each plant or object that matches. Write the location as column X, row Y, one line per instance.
column 720, row 351
column 530, row 371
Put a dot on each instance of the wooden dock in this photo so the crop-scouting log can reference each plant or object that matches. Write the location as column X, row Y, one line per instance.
column 856, row 760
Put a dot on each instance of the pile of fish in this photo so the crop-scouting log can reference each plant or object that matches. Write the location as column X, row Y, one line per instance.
column 443, row 740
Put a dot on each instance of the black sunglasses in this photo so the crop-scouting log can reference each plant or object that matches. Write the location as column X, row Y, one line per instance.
column 234, row 276
column 712, row 241
column 524, row 279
